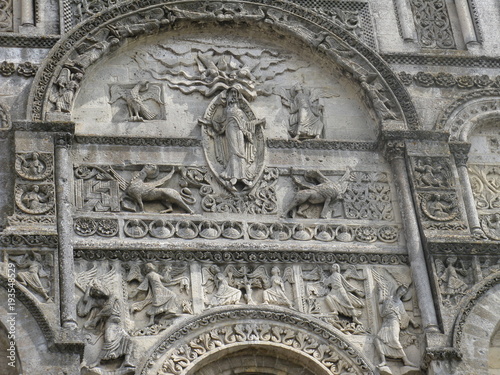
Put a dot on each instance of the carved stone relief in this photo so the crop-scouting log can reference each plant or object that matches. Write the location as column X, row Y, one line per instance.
column 35, row 272
column 34, row 166
column 6, row 16
column 136, row 97
column 433, row 23
column 35, row 199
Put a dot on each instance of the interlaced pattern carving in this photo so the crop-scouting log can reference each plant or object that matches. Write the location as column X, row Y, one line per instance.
column 433, row 23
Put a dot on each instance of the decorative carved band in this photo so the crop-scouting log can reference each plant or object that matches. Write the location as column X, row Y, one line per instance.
column 322, row 145
column 28, row 240
column 243, row 256
column 135, row 141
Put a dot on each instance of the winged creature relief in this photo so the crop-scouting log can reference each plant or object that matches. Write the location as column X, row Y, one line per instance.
column 141, row 190
column 136, row 98
column 323, row 191
column 394, row 318
column 32, row 275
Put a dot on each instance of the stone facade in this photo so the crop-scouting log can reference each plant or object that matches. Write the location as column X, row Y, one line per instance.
column 250, row 187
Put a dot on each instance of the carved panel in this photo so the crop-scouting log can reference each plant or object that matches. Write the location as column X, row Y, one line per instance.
column 6, row 16
column 34, row 166
column 433, row 23
column 35, row 199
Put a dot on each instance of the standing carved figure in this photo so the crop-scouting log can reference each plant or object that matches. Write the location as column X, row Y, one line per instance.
column 141, row 191
column 135, row 99
column 381, row 104
column 452, row 286
column 104, row 313
column 325, row 191
column 65, row 89
column 234, row 132
column 306, row 114
column 394, row 319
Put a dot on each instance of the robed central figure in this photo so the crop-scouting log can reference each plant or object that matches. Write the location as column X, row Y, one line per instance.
column 236, row 138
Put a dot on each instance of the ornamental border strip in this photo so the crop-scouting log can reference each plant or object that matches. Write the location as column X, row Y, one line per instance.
column 425, row 60
column 137, row 141
column 28, row 41
column 468, row 248
column 200, row 323
column 323, row 145
column 232, row 256
column 59, row 54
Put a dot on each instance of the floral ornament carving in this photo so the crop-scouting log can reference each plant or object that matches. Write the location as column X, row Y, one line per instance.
column 89, row 226
column 448, row 80
column 260, row 200
column 34, row 273
column 368, row 196
column 35, row 199
column 433, row 24
column 34, row 165
column 485, row 182
column 179, row 359
column 136, row 97
column 439, row 206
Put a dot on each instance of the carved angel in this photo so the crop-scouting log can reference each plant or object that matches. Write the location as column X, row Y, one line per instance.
column 276, row 294
column 394, row 319
column 104, row 311
column 159, row 298
column 381, row 104
column 30, row 273
column 341, row 296
column 452, row 286
column 306, row 113
column 217, row 284
column 136, row 98
column 65, row 88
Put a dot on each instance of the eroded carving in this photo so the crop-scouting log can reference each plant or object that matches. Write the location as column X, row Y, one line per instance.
column 236, row 142
column 435, row 173
column 32, row 274
column 439, row 206
column 341, row 298
column 65, row 88
column 136, row 98
column 34, row 166
column 394, row 319
column 433, row 23
column 306, row 113
column 491, row 226
column 35, row 199
column 485, row 182
column 450, row 278
column 323, row 191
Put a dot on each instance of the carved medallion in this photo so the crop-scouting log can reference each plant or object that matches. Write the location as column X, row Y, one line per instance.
column 35, row 199
column 34, row 166
column 233, row 141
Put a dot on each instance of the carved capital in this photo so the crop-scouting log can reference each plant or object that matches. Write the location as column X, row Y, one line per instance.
column 394, row 149
column 63, row 140
column 460, row 152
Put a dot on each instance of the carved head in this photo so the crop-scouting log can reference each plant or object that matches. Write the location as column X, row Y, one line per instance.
column 151, row 170
column 275, row 271
column 335, row 268
column 150, row 267
column 401, row 291
column 98, row 290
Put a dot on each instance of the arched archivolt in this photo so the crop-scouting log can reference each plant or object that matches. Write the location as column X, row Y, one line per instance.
column 466, row 113
column 319, row 32
column 194, row 343
column 476, row 323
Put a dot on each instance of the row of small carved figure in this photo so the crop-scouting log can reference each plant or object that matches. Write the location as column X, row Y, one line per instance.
column 187, row 229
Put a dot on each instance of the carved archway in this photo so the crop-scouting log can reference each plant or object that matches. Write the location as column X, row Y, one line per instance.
column 476, row 323
column 469, row 111
column 319, row 32
column 221, row 332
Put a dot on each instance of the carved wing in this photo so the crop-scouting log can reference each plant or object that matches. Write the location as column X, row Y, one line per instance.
column 153, row 93
column 384, row 285
column 208, row 280
column 231, row 272
column 288, row 275
column 440, row 267
column 109, row 278
column 116, row 92
column 315, row 275
column 135, row 273
column 260, row 274
column 83, row 279
column 352, row 273
column 285, row 96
